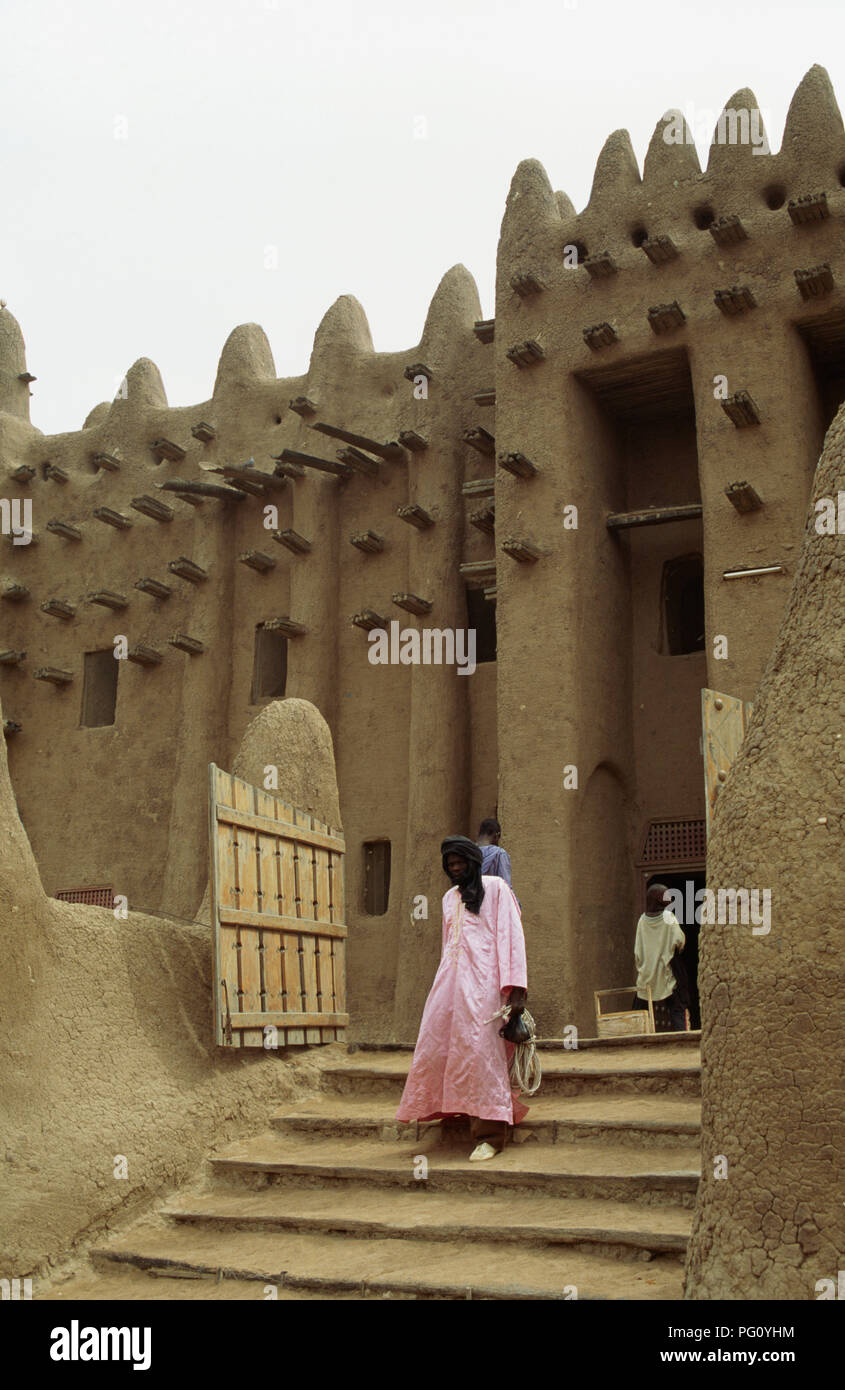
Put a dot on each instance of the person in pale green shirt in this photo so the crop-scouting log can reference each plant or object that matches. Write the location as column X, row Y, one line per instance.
column 659, row 936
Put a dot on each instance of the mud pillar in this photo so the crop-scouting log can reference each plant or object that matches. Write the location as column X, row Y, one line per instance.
column 769, row 1220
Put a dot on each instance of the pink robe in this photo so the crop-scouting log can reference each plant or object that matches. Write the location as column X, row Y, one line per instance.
column 460, row 1064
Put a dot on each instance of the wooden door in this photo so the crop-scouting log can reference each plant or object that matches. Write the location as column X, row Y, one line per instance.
column 724, row 719
column 277, row 912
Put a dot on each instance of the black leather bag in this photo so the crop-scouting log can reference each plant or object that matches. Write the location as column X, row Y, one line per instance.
column 516, row 1030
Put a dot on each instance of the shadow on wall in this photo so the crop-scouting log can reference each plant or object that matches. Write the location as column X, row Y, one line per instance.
column 106, row 1046
column 604, row 942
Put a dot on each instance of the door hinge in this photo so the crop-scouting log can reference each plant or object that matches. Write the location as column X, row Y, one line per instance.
column 227, row 1023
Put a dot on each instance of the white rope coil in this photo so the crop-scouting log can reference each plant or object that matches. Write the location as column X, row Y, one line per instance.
column 525, row 1070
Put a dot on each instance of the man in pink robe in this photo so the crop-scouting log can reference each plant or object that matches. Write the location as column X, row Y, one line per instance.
column 460, row 1063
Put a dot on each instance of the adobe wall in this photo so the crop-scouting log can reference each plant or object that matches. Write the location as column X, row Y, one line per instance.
column 106, row 1047
column 770, row 1224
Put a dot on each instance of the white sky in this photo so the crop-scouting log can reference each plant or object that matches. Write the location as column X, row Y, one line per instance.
column 256, row 124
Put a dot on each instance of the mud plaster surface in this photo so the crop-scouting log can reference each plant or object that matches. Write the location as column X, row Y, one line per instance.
column 106, row 1048
column 773, row 1089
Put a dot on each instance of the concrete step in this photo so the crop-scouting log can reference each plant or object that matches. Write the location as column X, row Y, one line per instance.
column 669, row 1070
column 644, row 1040
column 580, row 1169
column 633, row 1118
column 617, row 1229
column 118, row 1282
column 404, row 1268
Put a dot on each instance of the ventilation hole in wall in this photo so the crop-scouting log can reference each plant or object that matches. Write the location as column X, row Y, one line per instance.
column 703, row 216
column 580, row 250
column 278, row 419
column 639, row 234
column 774, row 196
column 842, row 174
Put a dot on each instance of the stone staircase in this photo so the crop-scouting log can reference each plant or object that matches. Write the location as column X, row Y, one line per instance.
column 336, row 1200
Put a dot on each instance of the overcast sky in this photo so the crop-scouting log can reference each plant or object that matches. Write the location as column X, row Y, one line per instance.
column 171, row 169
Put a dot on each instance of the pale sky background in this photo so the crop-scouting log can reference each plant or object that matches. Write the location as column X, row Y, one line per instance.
column 262, row 128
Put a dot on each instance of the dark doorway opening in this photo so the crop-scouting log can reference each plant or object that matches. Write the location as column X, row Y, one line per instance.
column 481, row 615
column 683, row 604
column 270, row 665
column 688, row 913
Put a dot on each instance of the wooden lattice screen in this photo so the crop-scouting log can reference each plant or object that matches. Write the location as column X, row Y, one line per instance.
column 97, row 897
column 682, row 841
column 277, row 904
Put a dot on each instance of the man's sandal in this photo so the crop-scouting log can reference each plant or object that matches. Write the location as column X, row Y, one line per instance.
column 482, row 1151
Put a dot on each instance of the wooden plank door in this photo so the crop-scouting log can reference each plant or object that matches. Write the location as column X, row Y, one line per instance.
column 277, row 912
column 724, row 719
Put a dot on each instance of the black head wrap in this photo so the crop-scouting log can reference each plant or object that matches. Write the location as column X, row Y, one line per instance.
column 469, row 883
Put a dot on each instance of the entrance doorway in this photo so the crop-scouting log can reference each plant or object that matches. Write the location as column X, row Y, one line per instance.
column 688, row 914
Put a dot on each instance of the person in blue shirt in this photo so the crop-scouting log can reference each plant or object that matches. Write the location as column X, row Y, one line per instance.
column 495, row 860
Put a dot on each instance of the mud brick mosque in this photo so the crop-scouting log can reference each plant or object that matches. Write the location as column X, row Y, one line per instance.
column 615, row 482
column 609, row 481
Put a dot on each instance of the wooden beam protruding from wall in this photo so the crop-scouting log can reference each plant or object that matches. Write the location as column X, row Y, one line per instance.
column 660, row 249
column 812, row 207
column 192, row 645
column 728, row 231
column 369, row 541
column 186, row 569
column 391, row 452
column 166, row 449
column 153, row 587
column 152, row 507
column 415, row 515
column 369, row 620
column 736, row 300
column 526, row 552
column 63, row 528
column 107, row 599
column 412, row 603
column 526, row 354
column 293, row 541
column 815, row 282
column 518, row 464
column 58, row 608
column 653, row 516
column 741, row 410
column 112, row 518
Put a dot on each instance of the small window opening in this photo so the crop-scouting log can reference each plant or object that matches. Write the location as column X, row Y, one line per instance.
column 270, row 665
column 639, row 234
column 683, row 604
column 376, row 877
column 481, row 615
column 703, row 216
column 99, row 689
